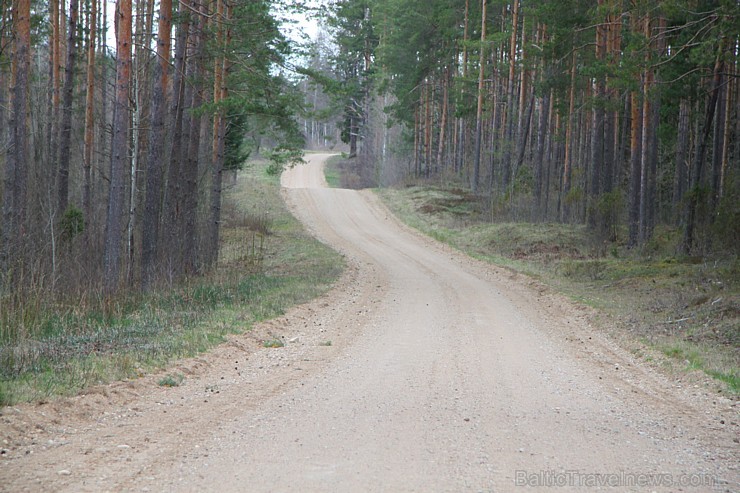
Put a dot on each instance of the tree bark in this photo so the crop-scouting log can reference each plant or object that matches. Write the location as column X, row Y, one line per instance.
column 172, row 197
column 119, row 149
column 89, row 116
column 635, row 162
column 567, row 163
column 18, row 155
column 696, row 169
column 66, row 127
column 53, row 80
column 683, row 140
column 718, row 147
column 443, row 121
column 192, row 147
column 479, row 109
column 598, row 117
column 155, row 158
column 511, row 108
column 645, row 159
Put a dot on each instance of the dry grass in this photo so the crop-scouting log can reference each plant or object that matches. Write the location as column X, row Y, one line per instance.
column 687, row 308
column 267, row 264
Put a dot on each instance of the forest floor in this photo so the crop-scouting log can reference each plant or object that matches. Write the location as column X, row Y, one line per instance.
column 422, row 370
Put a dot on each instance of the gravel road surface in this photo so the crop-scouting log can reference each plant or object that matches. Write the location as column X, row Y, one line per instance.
column 422, row 371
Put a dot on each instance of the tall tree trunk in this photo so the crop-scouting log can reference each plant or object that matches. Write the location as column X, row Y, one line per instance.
column 221, row 70
column 479, row 110
column 511, row 109
column 718, row 147
column 526, row 110
column 103, row 131
column 18, row 154
column 192, row 146
column 428, row 128
column 5, row 42
column 461, row 127
column 172, row 197
column 635, row 168
column 550, row 154
column 443, row 121
column 155, row 158
column 645, row 159
column 696, row 169
column 682, row 148
column 523, row 137
column 66, row 128
column 53, row 80
column 89, row 116
column 598, row 117
column 569, row 148
column 119, row 149
column 611, row 122
column 542, row 130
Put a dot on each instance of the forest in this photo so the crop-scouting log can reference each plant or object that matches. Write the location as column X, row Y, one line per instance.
column 113, row 155
column 120, row 120
column 622, row 115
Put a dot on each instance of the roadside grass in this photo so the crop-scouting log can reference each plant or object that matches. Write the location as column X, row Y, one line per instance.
column 688, row 309
column 267, row 264
column 173, row 380
column 332, row 172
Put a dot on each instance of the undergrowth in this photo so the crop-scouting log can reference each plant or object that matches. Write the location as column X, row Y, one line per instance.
column 267, row 263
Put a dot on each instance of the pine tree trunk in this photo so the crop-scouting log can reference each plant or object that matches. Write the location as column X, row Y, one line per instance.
column 18, row 153
column 191, row 161
column 645, row 160
column 119, row 148
column 443, row 121
column 542, row 129
column 89, row 117
column 597, row 132
column 683, row 140
column 718, row 147
column 53, row 75
column 696, row 169
column 550, row 154
column 511, row 107
column 210, row 255
column 569, row 147
column 66, row 127
column 479, row 111
column 103, row 154
column 172, row 197
column 635, row 162
column 461, row 127
column 155, row 159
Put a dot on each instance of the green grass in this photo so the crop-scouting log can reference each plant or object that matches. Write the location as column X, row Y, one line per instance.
column 332, row 173
column 172, row 380
column 273, row 343
column 268, row 263
column 688, row 309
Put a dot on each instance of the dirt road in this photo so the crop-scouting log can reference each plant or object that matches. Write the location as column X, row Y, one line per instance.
column 443, row 374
